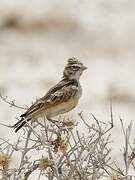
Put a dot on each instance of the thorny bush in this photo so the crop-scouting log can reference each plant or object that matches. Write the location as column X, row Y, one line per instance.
column 65, row 153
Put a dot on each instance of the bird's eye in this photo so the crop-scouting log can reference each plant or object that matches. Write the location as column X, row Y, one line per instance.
column 74, row 67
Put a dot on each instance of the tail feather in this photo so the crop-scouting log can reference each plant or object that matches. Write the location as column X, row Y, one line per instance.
column 17, row 126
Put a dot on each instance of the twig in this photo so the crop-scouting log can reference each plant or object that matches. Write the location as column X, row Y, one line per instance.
column 11, row 103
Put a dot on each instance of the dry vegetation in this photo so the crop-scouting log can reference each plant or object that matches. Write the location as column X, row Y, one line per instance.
column 65, row 153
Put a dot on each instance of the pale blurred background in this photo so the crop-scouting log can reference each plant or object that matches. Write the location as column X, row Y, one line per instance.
column 37, row 38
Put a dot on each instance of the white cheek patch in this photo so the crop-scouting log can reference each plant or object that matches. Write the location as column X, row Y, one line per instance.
column 78, row 74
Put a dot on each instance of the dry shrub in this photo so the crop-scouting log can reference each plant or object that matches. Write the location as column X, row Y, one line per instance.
column 66, row 152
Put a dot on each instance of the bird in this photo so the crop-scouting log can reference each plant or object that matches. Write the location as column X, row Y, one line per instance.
column 61, row 98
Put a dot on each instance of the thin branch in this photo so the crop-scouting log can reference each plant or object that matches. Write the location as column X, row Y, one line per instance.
column 11, row 103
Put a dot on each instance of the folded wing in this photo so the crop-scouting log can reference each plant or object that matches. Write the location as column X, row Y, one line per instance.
column 62, row 92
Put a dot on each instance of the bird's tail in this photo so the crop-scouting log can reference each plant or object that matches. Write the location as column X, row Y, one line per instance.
column 17, row 126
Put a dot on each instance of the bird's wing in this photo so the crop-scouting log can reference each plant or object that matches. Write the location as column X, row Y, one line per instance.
column 60, row 93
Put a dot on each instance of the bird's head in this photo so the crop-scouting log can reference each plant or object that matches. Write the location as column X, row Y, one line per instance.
column 73, row 69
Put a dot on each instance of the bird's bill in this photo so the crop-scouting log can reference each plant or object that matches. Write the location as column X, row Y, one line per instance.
column 83, row 67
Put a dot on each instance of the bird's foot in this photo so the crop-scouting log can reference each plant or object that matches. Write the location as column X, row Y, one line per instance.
column 59, row 124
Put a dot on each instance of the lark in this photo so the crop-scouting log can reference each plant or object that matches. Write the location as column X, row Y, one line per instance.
column 61, row 98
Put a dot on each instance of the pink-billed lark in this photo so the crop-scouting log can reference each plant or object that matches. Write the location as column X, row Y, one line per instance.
column 60, row 99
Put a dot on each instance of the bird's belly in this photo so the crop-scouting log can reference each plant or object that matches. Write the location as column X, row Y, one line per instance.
column 61, row 108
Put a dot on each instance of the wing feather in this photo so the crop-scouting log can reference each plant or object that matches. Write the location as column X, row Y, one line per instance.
column 60, row 93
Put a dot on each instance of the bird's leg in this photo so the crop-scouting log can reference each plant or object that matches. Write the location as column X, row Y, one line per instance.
column 57, row 123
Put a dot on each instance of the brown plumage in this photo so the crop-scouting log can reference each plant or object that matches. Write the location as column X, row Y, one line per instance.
column 60, row 99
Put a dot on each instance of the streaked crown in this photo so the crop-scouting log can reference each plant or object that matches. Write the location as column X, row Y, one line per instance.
column 73, row 69
column 73, row 60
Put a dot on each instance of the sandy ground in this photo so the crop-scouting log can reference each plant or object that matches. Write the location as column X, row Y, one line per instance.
column 34, row 49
